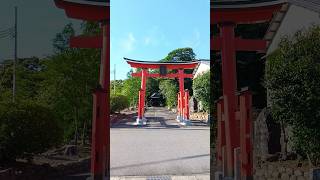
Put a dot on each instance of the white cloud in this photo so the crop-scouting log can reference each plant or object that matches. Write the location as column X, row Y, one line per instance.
column 147, row 40
column 153, row 37
column 128, row 43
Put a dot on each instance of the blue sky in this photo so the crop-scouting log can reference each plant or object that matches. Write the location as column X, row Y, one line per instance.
column 150, row 29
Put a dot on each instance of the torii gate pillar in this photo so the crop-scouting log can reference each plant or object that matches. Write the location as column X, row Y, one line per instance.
column 183, row 95
column 234, row 143
column 229, row 79
column 141, row 120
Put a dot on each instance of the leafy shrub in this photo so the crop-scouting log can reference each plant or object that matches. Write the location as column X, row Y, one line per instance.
column 118, row 102
column 169, row 90
column 25, row 129
column 131, row 87
column 201, row 89
column 292, row 79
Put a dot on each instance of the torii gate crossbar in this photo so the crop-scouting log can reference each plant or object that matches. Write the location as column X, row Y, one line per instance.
column 183, row 94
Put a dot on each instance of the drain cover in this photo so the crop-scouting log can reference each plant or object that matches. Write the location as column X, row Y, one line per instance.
column 158, row 178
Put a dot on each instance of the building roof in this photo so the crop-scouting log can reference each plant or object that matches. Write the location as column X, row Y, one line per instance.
column 90, row 2
column 156, row 64
column 242, row 3
column 312, row 5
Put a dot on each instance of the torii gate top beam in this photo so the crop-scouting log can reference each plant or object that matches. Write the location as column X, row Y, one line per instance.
column 157, row 65
column 243, row 11
column 90, row 10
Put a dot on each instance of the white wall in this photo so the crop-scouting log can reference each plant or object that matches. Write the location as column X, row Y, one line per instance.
column 297, row 18
column 203, row 67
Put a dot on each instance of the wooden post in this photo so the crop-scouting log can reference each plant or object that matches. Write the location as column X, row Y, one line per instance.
column 229, row 89
column 181, row 91
column 100, row 149
column 246, row 151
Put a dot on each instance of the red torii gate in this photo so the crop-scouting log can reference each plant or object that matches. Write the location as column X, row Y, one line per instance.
column 183, row 95
column 98, row 11
column 234, row 135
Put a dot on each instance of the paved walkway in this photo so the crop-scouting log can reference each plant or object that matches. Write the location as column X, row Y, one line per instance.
column 162, row 147
column 191, row 177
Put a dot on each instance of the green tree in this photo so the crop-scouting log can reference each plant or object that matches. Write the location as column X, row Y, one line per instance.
column 169, row 90
column 292, row 79
column 131, row 87
column 201, row 89
column 25, row 129
column 61, row 41
column 118, row 102
column 182, row 54
column 70, row 76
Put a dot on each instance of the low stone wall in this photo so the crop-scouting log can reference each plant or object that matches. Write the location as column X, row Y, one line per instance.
column 282, row 170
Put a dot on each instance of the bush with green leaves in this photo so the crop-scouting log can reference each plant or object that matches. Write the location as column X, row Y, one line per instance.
column 26, row 129
column 293, row 84
column 118, row 102
column 169, row 90
column 201, row 89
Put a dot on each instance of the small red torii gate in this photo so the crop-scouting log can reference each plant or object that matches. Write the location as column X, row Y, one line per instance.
column 97, row 11
column 234, row 134
column 183, row 95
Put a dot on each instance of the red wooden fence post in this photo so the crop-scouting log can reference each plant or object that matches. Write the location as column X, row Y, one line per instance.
column 229, row 91
column 246, row 153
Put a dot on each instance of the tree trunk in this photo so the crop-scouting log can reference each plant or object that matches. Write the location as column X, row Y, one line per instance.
column 285, row 142
column 83, row 132
column 76, row 125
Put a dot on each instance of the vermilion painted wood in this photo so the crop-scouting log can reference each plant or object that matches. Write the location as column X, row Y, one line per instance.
column 156, row 75
column 190, row 65
column 246, row 167
column 100, row 149
column 179, row 104
column 229, row 88
column 143, row 93
column 181, row 91
column 227, row 18
column 156, row 65
column 186, row 104
column 243, row 15
column 241, row 44
column 219, row 142
column 84, row 12
column 86, row 42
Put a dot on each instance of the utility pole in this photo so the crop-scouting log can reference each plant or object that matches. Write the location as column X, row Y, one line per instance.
column 15, row 53
column 114, row 76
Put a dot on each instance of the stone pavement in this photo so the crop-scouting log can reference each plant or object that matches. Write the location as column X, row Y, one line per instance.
column 162, row 147
column 190, row 177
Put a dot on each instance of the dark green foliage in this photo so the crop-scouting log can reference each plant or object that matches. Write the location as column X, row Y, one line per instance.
column 182, row 54
column 201, row 89
column 169, row 90
column 61, row 41
column 26, row 128
column 131, row 87
column 292, row 80
column 118, row 102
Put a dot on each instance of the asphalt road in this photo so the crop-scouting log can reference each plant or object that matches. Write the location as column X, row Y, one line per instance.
column 162, row 147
